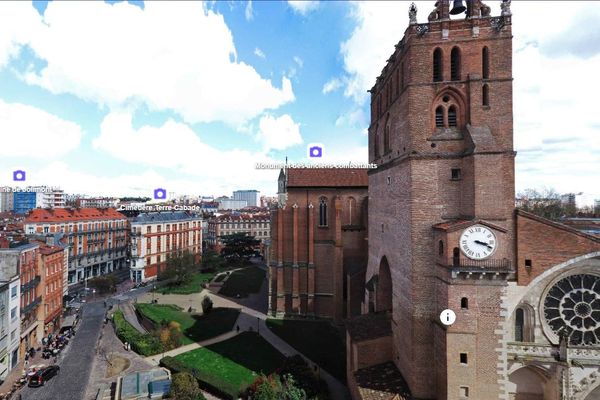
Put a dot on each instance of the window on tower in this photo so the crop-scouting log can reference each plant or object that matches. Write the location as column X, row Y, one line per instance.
column 439, row 117
column 485, row 63
column 438, row 74
column 455, row 64
column 485, row 94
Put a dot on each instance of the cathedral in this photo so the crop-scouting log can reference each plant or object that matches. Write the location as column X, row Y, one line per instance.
column 440, row 232
column 444, row 234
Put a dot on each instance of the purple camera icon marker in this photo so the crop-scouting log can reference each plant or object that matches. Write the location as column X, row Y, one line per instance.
column 315, row 150
column 160, row 194
column 19, row 175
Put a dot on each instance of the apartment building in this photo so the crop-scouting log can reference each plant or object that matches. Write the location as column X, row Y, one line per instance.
column 51, row 260
column 25, row 256
column 6, row 199
column 97, row 238
column 96, row 202
column 251, row 197
column 9, row 314
column 257, row 225
column 157, row 235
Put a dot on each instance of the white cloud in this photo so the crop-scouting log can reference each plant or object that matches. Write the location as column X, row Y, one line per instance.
column 249, row 12
column 176, row 56
column 332, row 85
column 299, row 61
column 259, row 53
column 27, row 131
column 278, row 133
column 176, row 147
column 354, row 118
column 303, row 7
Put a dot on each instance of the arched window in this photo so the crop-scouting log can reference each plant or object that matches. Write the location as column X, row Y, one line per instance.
column 322, row 211
column 439, row 117
column 464, row 303
column 455, row 64
column 485, row 94
column 485, row 63
column 441, row 248
column 386, row 140
column 438, row 65
column 519, row 324
column 452, row 116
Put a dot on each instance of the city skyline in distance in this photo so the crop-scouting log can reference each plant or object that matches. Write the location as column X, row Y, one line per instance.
column 93, row 118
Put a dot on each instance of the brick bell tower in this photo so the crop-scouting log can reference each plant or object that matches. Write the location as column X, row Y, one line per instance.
column 441, row 200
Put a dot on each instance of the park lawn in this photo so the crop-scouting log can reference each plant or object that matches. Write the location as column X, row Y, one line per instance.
column 234, row 362
column 194, row 285
column 195, row 328
column 318, row 340
column 243, row 282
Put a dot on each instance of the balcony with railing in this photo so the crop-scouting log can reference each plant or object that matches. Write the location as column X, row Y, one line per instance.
column 31, row 284
column 31, row 306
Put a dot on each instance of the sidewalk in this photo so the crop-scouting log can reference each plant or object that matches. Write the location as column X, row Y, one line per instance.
column 129, row 315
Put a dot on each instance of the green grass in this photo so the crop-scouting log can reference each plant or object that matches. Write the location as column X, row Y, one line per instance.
column 318, row 340
column 194, row 285
column 243, row 282
column 235, row 362
column 195, row 328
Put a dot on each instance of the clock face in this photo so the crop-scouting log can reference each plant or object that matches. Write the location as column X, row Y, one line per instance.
column 478, row 242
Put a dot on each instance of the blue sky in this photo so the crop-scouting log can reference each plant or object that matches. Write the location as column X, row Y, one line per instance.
column 120, row 98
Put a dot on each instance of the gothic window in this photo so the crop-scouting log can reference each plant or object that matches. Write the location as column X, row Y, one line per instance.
column 322, row 211
column 455, row 64
column 519, row 324
column 441, row 248
column 455, row 256
column 572, row 309
column 485, row 94
column 439, row 117
column 386, row 140
column 438, row 74
column 351, row 210
column 452, row 116
column 485, row 63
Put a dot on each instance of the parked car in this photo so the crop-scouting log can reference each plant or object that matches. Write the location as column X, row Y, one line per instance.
column 43, row 375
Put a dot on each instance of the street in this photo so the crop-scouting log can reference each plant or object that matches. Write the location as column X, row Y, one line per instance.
column 71, row 382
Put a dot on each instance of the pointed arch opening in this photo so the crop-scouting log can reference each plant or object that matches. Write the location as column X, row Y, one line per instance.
column 384, row 299
column 438, row 65
column 455, row 64
column 485, row 95
column 485, row 63
column 323, row 211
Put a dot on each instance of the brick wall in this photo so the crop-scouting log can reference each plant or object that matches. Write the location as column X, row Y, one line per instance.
column 547, row 244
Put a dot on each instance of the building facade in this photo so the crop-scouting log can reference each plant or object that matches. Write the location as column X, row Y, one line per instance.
column 6, row 199
column 232, row 205
column 251, row 197
column 444, row 234
column 52, row 267
column 318, row 233
column 96, row 202
column 9, row 314
column 97, row 238
column 24, row 201
column 155, row 236
column 253, row 224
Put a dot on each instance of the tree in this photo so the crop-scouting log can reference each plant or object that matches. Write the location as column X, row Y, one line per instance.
column 546, row 203
column 211, row 261
column 185, row 387
column 239, row 246
column 170, row 335
column 207, row 305
column 104, row 284
column 275, row 388
column 179, row 268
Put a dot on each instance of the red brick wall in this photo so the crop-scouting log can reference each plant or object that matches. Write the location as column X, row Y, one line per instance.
column 547, row 244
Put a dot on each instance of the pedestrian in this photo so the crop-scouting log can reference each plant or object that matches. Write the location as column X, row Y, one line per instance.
column 238, row 329
column 125, row 344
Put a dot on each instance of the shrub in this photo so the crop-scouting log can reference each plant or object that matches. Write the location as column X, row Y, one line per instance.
column 144, row 344
column 207, row 305
column 185, row 387
column 304, row 376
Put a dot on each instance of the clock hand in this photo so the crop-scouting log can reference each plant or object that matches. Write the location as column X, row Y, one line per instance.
column 483, row 244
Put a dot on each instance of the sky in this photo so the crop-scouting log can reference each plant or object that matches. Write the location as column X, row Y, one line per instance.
column 121, row 98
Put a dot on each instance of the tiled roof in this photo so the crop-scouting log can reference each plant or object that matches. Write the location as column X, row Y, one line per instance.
column 369, row 326
column 46, row 250
column 327, row 177
column 38, row 215
column 382, row 382
column 163, row 216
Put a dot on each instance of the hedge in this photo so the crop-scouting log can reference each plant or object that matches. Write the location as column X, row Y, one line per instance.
column 207, row 380
column 142, row 343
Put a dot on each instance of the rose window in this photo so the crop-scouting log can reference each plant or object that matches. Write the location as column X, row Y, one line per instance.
column 572, row 308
